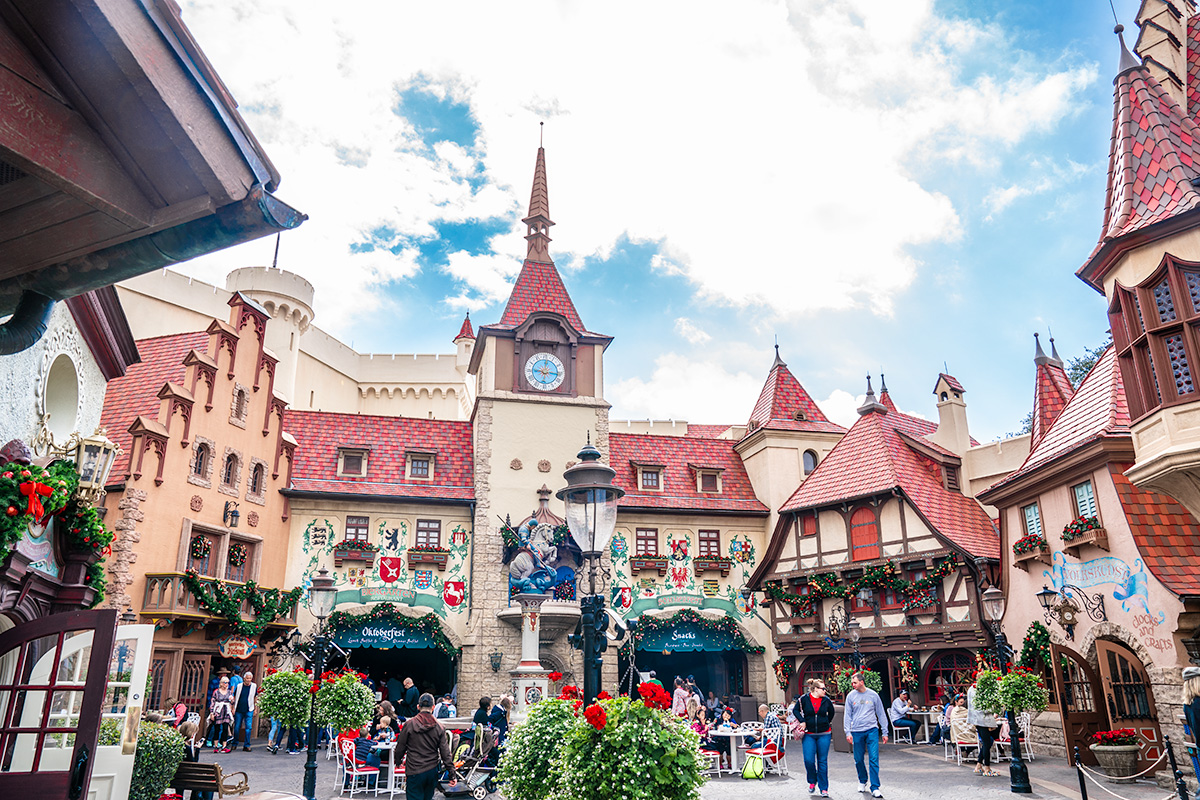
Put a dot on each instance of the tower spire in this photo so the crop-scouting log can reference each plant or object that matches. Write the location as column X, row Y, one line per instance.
column 870, row 403
column 538, row 222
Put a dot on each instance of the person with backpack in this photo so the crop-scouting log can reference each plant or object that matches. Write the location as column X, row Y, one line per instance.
column 423, row 741
column 815, row 714
column 445, row 709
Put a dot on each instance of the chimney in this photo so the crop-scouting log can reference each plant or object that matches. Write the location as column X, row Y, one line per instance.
column 952, row 432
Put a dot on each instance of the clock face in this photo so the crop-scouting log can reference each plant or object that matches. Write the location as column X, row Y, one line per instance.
column 544, row 372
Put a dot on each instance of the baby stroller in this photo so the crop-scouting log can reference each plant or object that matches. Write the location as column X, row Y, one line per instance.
column 474, row 771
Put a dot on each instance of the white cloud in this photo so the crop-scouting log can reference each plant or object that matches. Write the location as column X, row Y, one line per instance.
column 1046, row 177
column 753, row 142
column 691, row 331
column 687, row 389
column 841, row 407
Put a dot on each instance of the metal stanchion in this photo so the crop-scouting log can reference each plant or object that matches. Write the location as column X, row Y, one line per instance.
column 1180, row 786
column 1079, row 773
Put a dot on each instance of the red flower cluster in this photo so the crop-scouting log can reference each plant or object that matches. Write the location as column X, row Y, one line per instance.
column 654, row 695
column 302, row 668
column 603, row 695
column 316, row 687
column 595, row 716
column 271, row 671
column 569, row 692
column 555, row 677
column 1117, row 737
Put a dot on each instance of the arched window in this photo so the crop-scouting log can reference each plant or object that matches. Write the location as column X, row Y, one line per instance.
column 239, row 404
column 810, row 461
column 200, row 462
column 256, row 479
column 229, row 473
column 820, row 667
column 864, row 535
column 948, row 673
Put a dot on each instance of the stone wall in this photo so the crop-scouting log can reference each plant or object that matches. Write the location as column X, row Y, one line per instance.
column 120, row 563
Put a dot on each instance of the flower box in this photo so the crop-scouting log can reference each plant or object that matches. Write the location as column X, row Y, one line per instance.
column 341, row 554
column 639, row 563
column 1096, row 536
column 1022, row 560
column 702, row 565
column 437, row 558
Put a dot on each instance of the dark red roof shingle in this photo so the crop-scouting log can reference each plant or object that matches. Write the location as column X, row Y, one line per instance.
column 539, row 287
column 1052, row 391
column 679, row 484
column 1165, row 534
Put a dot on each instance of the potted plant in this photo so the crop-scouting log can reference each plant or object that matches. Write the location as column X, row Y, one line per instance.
column 1117, row 753
column 428, row 554
column 842, row 673
column 353, row 550
column 159, row 751
column 343, row 700
column 1084, row 530
column 1033, row 547
column 287, row 697
column 527, row 768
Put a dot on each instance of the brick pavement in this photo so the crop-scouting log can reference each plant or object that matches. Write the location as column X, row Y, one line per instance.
column 907, row 773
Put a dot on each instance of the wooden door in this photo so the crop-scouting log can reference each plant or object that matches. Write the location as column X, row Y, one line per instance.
column 52, row 686
column 1128, row 698
column 1079, row 692
column 193, row 683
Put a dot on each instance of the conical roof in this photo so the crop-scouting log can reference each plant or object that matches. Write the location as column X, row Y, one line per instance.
column 466, row 331
column 1052, row 391
column 784, row 404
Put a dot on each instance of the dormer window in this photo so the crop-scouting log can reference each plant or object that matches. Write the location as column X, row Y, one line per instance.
column 953, row 483
column 420, row 466
column 650, row 478
column 799, row 416
column 352, row 462
column 709, row 481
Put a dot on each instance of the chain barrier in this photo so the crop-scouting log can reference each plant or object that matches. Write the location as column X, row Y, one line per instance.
column 1090, row 774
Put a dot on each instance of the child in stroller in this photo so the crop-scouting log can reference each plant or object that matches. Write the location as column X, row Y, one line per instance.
column 473, row 758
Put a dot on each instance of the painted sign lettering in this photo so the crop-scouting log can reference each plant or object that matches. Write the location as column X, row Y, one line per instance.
column 1130, row 582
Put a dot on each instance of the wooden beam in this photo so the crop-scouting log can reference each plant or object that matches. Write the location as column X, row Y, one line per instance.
column 42, row 137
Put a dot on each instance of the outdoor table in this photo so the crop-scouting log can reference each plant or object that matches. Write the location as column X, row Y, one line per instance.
column 927, row 719
column 735, row 737
column 391, row 767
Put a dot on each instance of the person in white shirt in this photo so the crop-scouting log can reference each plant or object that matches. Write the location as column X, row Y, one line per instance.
column 898, row 714
column 445, row 709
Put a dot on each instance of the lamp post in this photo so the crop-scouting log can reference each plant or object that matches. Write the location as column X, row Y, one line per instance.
column 855, row 631
column 320, row 597
column 591, row 507
column 993, row 611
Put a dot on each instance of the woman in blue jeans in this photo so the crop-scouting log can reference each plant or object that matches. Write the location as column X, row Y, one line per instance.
column 815, row 712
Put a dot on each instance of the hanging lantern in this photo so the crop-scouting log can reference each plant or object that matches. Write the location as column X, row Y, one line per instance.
column 94, row 457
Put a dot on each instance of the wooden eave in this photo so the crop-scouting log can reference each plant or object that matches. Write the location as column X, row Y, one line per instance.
column 102, row 324
column 175, row 390
column 924, row 448
column 1100, row 449
column 1096, row 269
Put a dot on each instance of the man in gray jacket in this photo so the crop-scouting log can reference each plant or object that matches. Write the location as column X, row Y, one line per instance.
column 423, row 740
column 866, row 724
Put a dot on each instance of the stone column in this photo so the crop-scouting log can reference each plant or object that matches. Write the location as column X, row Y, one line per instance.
column 529, row 679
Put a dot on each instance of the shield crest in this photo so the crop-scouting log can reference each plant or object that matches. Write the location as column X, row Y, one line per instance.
column 453, row 592
column 622, row 597
column 423, row 579
column 390, row 568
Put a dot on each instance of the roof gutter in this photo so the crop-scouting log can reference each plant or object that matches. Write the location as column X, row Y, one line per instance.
column 27, row 324
column 257, row 215
column 305, row 494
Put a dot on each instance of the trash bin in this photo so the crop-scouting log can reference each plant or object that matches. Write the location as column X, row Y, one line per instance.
column 839, row 730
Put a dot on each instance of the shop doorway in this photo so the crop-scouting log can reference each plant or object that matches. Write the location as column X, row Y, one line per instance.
column 890, row 681
column 722, row 672
column 1127, row 697
column 431, row 669
column 1078, row 691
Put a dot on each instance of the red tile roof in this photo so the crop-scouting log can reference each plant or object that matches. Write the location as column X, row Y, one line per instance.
column 1165, row 534
column 951, row 381
column 465, row 331
column 136, row 393
column 706, row 431
column 1097, row 409
column 539, row 287
column 1193, row 65
column 319, row 434
column 1153, row 158
column 873, row 458
column 783, row 399
column 1052, row 391
column 678, row 479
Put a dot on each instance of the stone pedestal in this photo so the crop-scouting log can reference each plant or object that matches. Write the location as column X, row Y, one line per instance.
column 530, row 682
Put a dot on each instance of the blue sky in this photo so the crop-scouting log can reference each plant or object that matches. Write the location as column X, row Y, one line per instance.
column 890, row 186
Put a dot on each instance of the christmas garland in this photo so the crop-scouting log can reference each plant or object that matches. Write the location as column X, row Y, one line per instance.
column 30, row 494
column 784, row 670
column 919, row 593
column 237, row 554
column 647, row 625
column 216, row 598
column 910, row 670
column 1034, row 542
column 1079, row 526
column 564, row 590
column 386, row 612
column 83, row 529
column 1036, row 647
column 200, row 548
column 97, row 579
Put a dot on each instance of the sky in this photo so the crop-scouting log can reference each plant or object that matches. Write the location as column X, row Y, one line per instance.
column 902, row 186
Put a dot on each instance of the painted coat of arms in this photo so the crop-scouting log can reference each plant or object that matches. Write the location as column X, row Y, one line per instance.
column 679, row 549
column 423, row 578
column 454, row 592
column 390, row 568
column 622, row 597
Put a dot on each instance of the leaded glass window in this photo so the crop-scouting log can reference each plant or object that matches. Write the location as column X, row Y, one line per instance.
column 1192, row 279
column 1179, row 364
column 1164, row 302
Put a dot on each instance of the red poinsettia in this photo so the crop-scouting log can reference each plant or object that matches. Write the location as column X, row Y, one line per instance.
column 654, row 695
column 1117, row 737
column 595, row 716
column 555, row 677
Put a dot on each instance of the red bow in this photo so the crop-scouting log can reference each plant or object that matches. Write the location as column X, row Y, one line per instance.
column 32, row 490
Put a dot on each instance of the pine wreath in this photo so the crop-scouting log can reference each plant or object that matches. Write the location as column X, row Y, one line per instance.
column 201, row 547
column 238, row 553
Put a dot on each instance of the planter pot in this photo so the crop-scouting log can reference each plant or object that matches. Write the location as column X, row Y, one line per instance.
column 1097, row 537
column 1022, row 559
column 353, row 554
column 1119, row 762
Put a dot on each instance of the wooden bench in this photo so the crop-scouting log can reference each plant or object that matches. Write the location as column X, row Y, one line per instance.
column 208, row 778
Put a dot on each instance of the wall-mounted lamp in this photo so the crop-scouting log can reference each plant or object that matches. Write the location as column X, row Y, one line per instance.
column 497, row 659
column 230, row 517
column 1064, row 608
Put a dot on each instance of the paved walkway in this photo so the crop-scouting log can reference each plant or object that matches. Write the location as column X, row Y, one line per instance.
column 907, row 773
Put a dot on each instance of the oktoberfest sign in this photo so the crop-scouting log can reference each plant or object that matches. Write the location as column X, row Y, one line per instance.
column 239, row 647
column 379, row 633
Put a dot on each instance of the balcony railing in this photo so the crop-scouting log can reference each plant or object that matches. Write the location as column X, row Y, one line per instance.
column 168, row 595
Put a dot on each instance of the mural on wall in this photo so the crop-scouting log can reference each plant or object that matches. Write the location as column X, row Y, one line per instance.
column 634, row 594
column 381, row 573
column 1130, row 582
column 38, row 544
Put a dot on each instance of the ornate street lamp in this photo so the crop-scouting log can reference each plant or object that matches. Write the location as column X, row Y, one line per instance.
column 855, row 631
column 591, row 507
column 321, row 594
column 497, row 659
column 993, row 611
column 93, row 456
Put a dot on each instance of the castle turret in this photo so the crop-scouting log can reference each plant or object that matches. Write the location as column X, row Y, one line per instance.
column 288, row 298
column 465, row 342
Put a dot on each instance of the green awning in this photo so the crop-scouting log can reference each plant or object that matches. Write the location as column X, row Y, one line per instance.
column 686, row 636
column 380, row 634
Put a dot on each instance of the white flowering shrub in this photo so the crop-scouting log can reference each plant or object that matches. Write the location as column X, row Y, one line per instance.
column 527, row 769
column 287, row 697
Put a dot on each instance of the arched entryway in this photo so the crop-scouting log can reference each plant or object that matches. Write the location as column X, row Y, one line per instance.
column 1128, row 697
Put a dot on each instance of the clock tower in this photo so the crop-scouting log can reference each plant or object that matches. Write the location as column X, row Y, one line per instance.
column 539, row 395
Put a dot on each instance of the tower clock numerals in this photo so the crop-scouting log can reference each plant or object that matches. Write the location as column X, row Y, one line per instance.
column 544, row 372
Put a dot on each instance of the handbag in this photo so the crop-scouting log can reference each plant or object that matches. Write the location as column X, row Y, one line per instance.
column 753, row 768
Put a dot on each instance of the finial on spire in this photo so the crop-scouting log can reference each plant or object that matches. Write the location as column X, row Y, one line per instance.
column 778, row 361
column 870, row 403
column 870, row 391
column 541, row 132
column 538, row 222
column 1053, row 349
column 1128, row 59
column 882, row 383
column 1039, row 355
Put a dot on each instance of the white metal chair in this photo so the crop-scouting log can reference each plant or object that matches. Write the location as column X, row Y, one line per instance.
column 331, row 750
column 193, row 716
column 1025, row 723
column 901, row 730
column 353, row 770
column 773, row 753
column 713, row 766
